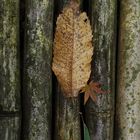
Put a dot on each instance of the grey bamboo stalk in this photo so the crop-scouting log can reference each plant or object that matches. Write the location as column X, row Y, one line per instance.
column 99, row 115
column 67, row 125
column 128, row 89
column 9, row 71
column 37, row 82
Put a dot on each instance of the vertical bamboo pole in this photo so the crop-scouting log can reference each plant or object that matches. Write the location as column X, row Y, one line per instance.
column 37, row 95
column 9, row 71
column 99, row 115
column 128, row 89
column 67, row 125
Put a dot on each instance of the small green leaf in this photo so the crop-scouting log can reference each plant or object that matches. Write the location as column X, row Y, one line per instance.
column 86, row 133
column 105, row 87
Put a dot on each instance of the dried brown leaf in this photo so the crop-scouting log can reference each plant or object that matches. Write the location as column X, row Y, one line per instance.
column 72, row 50
column 93, row 96
column 89, row 94
column 86, row 96
column 92, row 89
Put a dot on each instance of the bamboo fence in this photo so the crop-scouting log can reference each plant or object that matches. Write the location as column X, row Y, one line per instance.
column 32, row 105
column 100, row 115
column 10, row 107
column 37, row 81
column 128, row 75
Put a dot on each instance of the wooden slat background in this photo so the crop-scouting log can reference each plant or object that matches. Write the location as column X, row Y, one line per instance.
column 32, row 106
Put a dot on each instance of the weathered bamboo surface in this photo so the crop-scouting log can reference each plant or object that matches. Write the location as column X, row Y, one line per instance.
column 67, row 117
column 10, row 128
column 128, row 76
column 100, row 114
column 37, row 89
column 9, row 71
